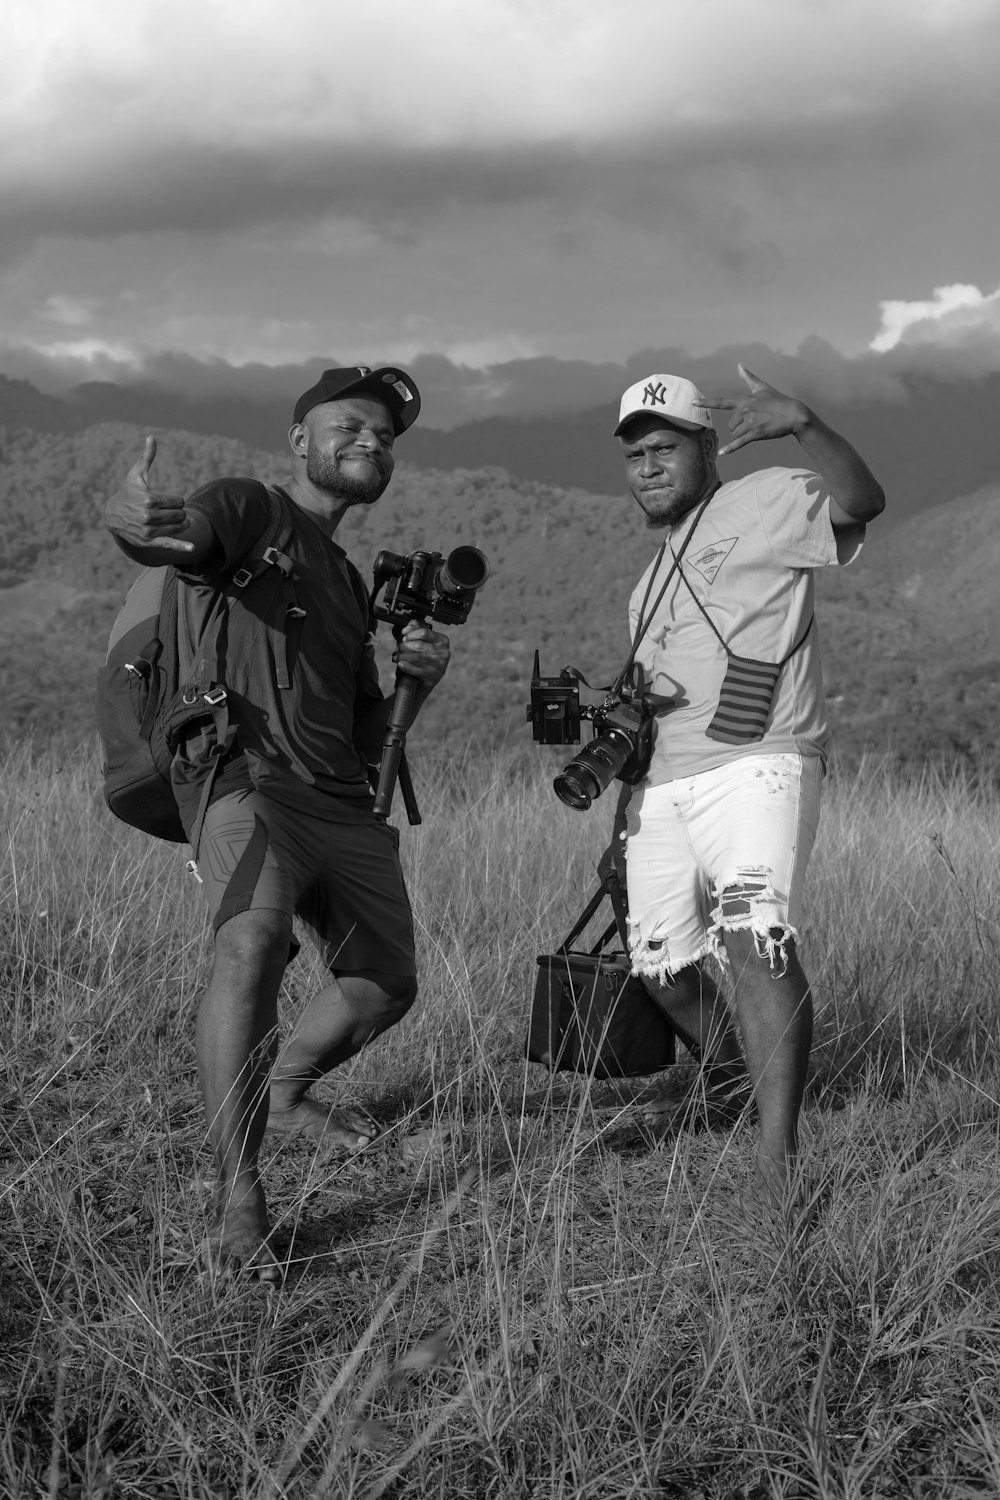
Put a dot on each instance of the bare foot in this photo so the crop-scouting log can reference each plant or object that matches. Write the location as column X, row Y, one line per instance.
column 244, row 1256
column 237, row 1240
column 773, row 1178
column 781, row 1193
column 349, row 1128
column 712, row 1100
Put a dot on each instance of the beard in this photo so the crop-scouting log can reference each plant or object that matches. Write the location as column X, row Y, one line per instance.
column 668, row 512
column 325, row 472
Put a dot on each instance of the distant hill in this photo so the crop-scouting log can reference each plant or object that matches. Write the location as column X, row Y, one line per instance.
column 909, row 633
column 912, row 637
column 933, row 445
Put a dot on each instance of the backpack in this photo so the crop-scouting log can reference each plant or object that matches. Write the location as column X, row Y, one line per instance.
column 143, row 707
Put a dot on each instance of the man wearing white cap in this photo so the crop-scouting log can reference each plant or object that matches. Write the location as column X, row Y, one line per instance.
column 720, row 831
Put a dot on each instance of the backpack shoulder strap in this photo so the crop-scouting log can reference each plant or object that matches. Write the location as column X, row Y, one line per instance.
column 361, row 592
column 271, row 547
column 271, row 551
column 205, row 689
column 163, row 645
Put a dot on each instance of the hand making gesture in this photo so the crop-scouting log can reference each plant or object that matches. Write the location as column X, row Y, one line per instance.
column 856, row 496
column 762, row 413
column 141, row 517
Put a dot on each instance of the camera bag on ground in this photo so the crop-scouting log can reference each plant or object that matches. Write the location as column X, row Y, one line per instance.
column 589, row 1013
column 144, row 710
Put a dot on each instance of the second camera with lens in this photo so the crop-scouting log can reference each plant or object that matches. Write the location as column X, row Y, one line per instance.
column 623, row 730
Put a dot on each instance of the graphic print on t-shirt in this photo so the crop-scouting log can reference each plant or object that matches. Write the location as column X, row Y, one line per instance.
column 710, row 559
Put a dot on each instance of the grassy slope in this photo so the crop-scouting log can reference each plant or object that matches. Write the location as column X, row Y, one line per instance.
column 510, row 1296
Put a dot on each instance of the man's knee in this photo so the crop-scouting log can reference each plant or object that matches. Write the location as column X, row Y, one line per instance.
column 253, row 945
column 380, row 999
column 748, row 919
column 400, row 991
column 689, row 986
column 770, row 948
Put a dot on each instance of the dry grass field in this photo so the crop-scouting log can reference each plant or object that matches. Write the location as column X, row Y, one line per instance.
column 512, row 1294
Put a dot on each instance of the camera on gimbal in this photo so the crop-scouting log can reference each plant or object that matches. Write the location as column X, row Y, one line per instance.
column 427, row 586
column 419, row 586
column 622, row 736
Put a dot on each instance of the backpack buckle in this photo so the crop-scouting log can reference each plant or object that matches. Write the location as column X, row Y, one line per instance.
column 215, row 696
column 277, row 560
column 242, row 577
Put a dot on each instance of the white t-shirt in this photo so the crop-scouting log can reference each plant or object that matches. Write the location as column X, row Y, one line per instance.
column 750, row 564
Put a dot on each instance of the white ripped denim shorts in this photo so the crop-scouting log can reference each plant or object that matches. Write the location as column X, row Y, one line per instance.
column 723, row 851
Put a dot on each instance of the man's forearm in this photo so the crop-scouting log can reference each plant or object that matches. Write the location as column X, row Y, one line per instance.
column 138, row 526
column 149, row 556
column 852, row 484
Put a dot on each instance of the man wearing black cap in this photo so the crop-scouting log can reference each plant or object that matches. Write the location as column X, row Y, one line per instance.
column 290, row 828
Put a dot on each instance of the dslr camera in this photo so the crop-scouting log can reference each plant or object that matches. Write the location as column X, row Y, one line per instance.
column 622, row 732
column 427, row 586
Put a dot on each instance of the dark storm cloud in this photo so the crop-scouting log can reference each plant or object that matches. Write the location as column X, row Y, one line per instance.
column 702, row 184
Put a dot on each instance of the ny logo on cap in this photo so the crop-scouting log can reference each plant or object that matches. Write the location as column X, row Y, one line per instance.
column 654, row 393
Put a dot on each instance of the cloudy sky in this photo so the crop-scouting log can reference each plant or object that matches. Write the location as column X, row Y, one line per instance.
column 524, row 199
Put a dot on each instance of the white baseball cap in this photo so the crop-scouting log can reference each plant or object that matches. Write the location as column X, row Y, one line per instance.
column 667, row 396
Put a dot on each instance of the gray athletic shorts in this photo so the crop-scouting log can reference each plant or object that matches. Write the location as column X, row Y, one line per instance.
column 343, row 880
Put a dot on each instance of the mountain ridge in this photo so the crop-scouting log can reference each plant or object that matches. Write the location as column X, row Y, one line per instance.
column 924, row 448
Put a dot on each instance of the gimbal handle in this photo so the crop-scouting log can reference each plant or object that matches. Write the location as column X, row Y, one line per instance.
column 392, row 764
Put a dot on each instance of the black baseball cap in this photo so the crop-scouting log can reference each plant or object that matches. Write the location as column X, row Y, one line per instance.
column 386, row 384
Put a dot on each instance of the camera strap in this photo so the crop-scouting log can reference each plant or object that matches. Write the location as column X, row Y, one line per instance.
column 642, row 624
column 629, row 672
column 718, row 634
column 747, row 691
column 633, row 673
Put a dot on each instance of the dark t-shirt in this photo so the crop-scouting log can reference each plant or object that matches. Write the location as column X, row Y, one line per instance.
column 291, row 742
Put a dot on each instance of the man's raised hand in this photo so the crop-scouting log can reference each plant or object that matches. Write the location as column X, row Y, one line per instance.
column 762, row 412
column 142, row 517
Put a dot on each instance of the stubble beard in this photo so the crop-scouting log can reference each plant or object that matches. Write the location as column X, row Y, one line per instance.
column 668, row 514
column 326, row 474
column 661, row 513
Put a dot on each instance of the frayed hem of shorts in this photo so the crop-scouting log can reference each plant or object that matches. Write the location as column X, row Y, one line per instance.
column 752, row 888
column 771, row 940
column 648, row 964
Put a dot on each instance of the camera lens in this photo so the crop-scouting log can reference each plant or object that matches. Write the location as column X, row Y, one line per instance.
column 594, row 768
column 465, row 569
